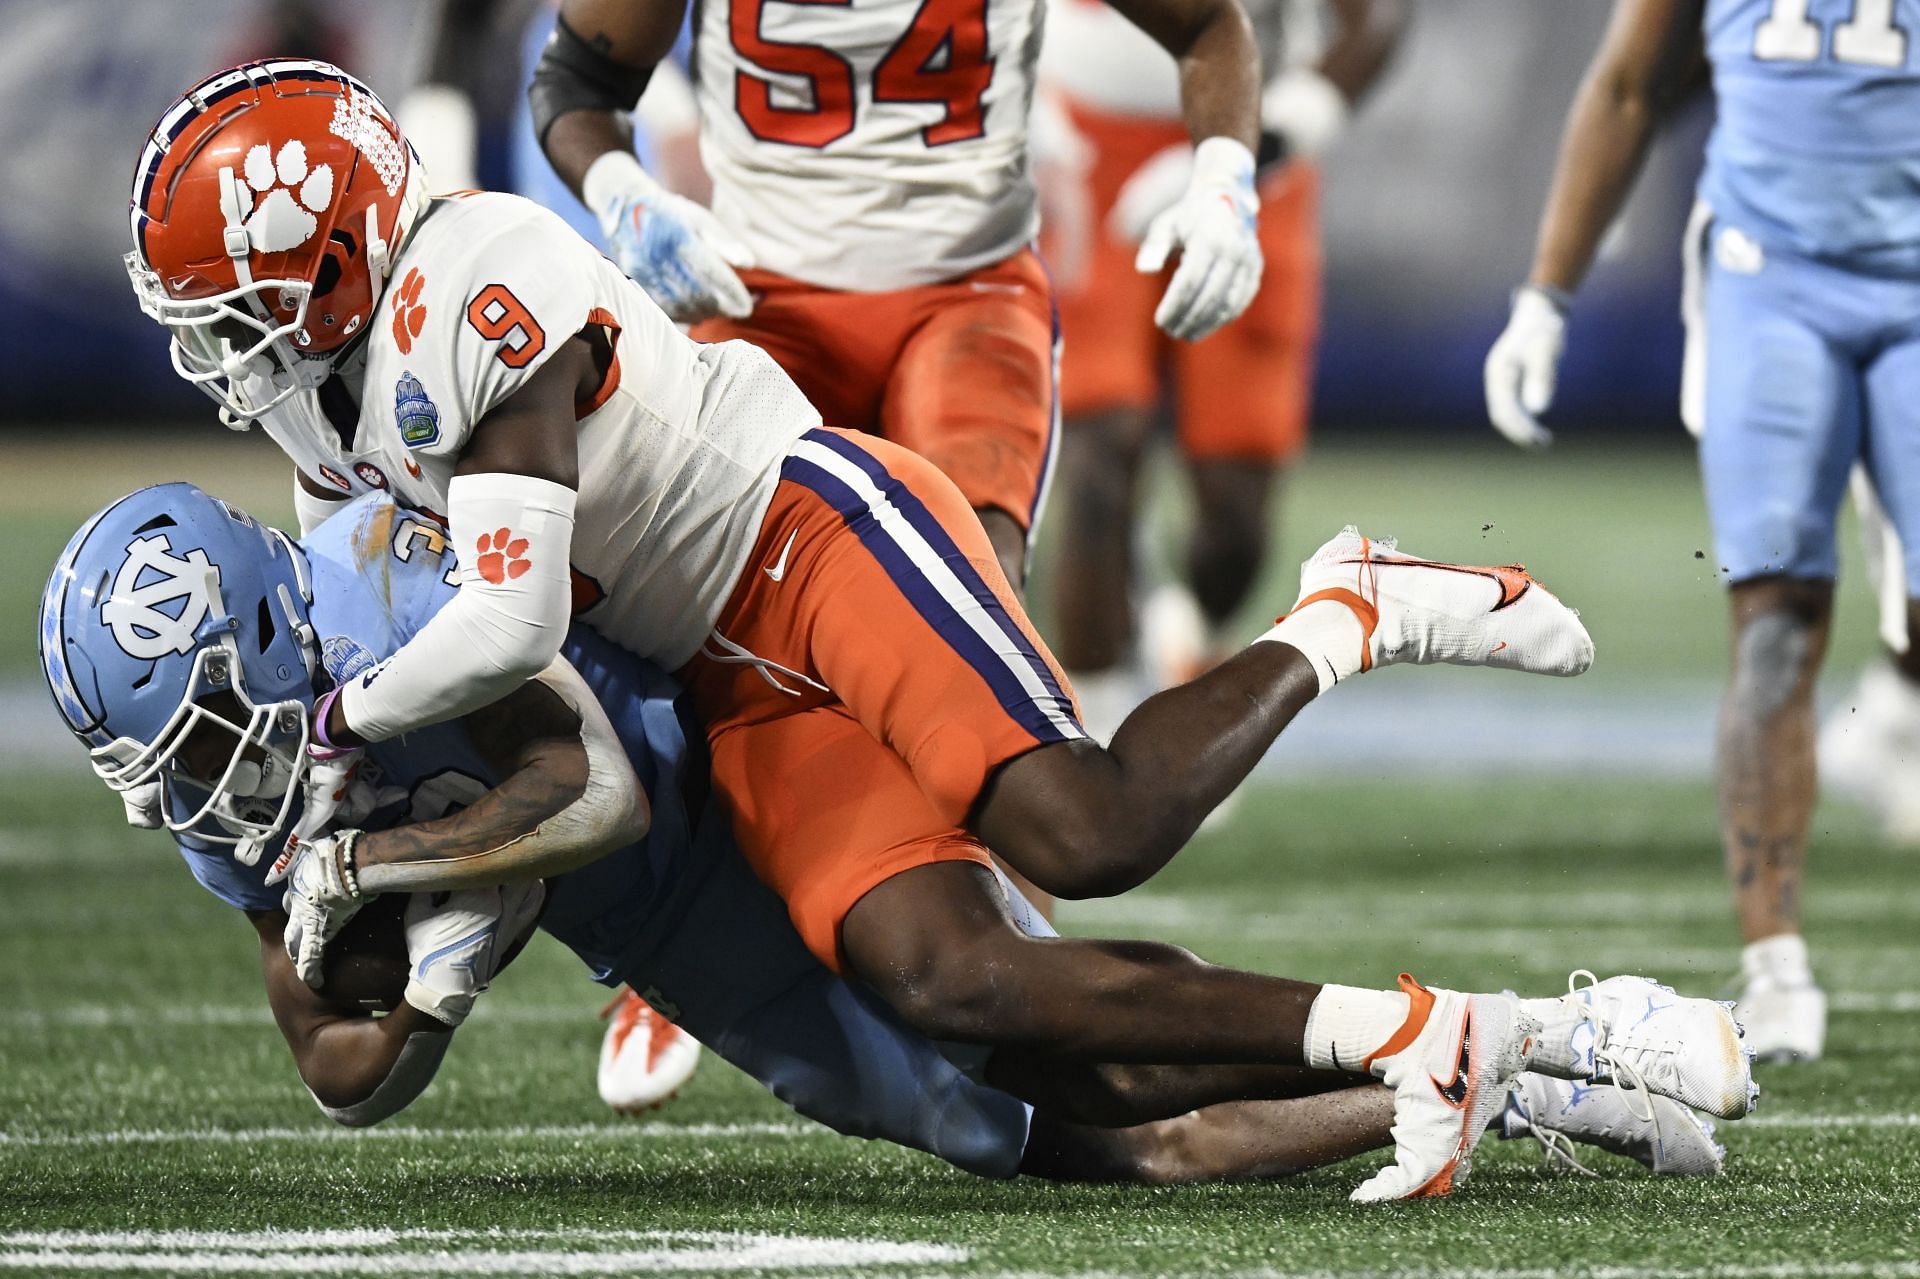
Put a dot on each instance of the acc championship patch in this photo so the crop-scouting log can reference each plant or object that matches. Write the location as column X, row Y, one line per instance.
column 418, row 417
column 344, row 658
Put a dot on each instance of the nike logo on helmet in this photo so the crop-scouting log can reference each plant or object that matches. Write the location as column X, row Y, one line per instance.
column 779, row 569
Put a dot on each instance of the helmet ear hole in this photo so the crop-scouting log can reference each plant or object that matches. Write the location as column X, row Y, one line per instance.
column 267, row 629
column 329, row 273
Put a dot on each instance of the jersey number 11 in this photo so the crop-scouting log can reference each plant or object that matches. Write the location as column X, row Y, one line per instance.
column 1868, row 37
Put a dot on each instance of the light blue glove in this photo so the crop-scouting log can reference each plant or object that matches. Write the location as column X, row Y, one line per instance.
column 673, row 248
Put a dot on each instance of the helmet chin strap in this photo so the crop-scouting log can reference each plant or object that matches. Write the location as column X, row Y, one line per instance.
column 238, row 243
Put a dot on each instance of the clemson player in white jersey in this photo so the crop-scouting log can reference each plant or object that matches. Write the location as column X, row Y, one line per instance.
column 877, row 706
column 873, row 217
column 1239, row 398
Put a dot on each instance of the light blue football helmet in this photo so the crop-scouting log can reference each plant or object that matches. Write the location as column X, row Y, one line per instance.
column 162, row 605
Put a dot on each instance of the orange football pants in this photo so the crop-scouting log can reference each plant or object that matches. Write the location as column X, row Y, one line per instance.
column 961, row 372
column 871, row 671
column 1242, row 392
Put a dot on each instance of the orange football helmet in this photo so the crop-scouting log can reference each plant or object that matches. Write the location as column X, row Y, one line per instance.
column 267, row 209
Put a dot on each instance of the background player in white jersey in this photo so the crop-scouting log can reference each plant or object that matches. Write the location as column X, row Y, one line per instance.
column 1804, row 361
column 873, row 215
column 879, row 708
column 1239, row 398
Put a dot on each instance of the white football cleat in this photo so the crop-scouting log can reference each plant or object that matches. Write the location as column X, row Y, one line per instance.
column 1783, row 1023
column 644, row 1058
column 1449, row 1068
column 1421, row 611
column 1657, row 1131
column 1636, row 1033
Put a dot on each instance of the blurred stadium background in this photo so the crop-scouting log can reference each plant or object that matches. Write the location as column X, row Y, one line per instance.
column 1491, row 829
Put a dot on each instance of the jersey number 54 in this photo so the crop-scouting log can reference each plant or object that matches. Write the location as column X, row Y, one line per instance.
column 942, row 58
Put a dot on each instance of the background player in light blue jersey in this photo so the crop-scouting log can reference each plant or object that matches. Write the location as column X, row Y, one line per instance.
column 1803, row 309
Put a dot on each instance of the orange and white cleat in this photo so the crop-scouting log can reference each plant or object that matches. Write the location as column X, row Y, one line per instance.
column 644, row 1058
column 1421, row 611
column 1451, row 1067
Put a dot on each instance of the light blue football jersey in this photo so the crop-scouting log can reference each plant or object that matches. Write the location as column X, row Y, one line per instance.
column 379, row 572
column 1816, row 149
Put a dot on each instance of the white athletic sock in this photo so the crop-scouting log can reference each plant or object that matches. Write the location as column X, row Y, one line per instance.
column 1346, row 1025
column 1779, row 961
column 1328, row 634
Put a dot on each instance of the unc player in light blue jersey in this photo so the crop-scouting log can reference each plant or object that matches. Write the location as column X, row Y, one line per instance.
column 1803, row 309
column 183, row 643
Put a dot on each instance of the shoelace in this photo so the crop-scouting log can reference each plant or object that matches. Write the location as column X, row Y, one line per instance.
column 1624, row 1072
column 1556, row 1151
column 734, row 654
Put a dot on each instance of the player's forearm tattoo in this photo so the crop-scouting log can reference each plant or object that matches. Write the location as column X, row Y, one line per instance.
column 476, row 845
column 534, row 739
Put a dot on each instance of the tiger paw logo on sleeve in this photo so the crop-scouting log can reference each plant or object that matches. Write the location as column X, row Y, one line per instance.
column 502, row 556
column 409, row 315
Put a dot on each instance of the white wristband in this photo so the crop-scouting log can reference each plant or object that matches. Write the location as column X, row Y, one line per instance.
column 610, row 182
column 1224, row 162
column 1306, row 109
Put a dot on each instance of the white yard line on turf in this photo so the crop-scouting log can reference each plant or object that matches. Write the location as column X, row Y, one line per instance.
column 513, row 1132
column 455, row 1252
column 661, row 1131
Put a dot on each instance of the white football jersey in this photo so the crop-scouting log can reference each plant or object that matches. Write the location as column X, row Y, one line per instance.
column 679, row 451
column 870, row 144
column 1101, row 59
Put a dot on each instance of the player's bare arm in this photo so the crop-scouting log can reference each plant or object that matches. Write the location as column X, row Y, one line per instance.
column 1211, row 225
column 590, row 77
column 1366, row 35
column 520, row 828
column 594, row 70
column 343, row 1052
column 1647, row 58
column 1651, row 52
column 569, row 796
column 1219, row 63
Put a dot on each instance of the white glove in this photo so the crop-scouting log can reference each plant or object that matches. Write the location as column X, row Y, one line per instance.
column 455, row 942
column 1524, row 365
column 1212, row 226
column 674, row 249
column 321, row 897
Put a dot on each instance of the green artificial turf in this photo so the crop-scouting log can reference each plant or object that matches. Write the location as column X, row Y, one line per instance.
column 142, row 1089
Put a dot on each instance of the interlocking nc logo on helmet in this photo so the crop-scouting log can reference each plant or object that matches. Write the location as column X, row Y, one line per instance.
column 134, row 612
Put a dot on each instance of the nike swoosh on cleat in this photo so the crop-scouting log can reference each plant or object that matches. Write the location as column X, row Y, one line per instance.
column 779, row 569
column 1512, row 579
column 1454, row 1091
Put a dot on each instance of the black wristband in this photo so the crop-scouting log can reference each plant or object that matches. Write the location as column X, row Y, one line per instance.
column 1271, row 151
column 575, row 76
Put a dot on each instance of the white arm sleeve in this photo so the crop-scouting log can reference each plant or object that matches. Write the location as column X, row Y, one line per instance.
column 309, row 508
column 610, row 813
column 513, row 534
